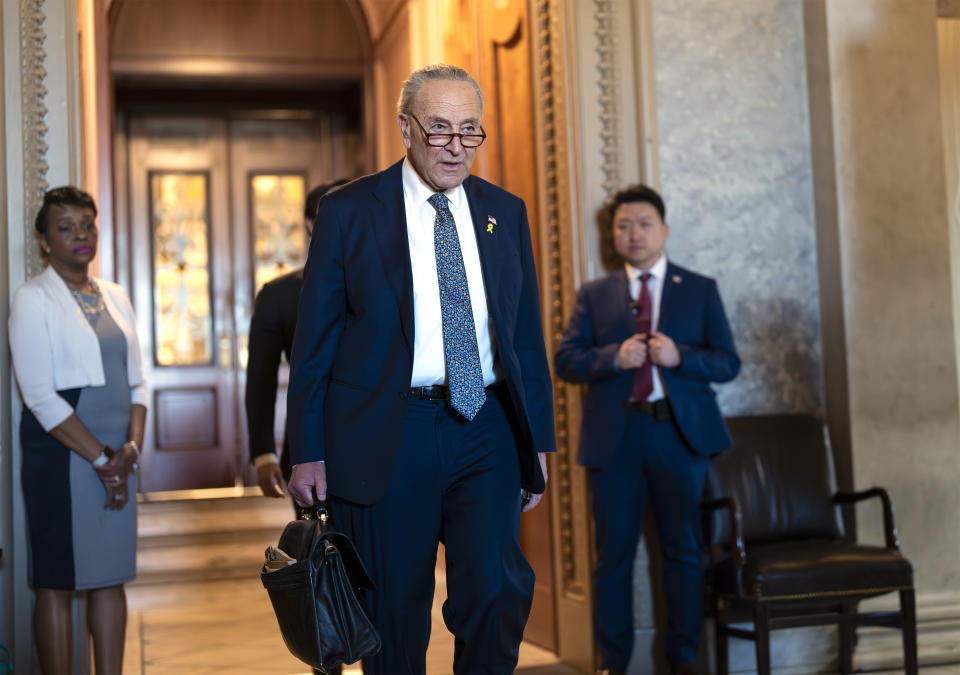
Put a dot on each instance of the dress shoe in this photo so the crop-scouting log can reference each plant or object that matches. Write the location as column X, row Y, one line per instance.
column 683, row 668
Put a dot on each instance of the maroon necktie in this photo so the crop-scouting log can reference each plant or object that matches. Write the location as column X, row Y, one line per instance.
column 643, row 379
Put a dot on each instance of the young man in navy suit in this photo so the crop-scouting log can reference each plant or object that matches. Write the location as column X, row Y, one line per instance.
column 647, row 340
column 420, row 398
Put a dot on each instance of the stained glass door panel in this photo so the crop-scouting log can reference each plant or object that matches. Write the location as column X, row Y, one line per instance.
column 180, row 260
column 183, row 324
column 279, row 236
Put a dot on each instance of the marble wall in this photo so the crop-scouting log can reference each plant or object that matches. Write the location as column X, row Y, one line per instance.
column 736, row 175
column 738, row 163
column 734, row 155
column 897, row 286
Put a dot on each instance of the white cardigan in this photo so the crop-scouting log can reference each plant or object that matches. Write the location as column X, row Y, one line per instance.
column 55, row 348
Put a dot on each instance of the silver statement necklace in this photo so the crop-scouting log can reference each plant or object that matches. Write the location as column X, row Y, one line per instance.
column 90, row 310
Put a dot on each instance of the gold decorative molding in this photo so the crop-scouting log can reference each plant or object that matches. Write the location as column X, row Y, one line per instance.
column 557, row 243
column 552, row 275
column 604, row 15
column 32, row 94
column 557, row 275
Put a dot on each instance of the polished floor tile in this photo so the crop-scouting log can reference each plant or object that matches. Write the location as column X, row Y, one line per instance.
column 219, row 627
column 227, row 625
column 197, row 628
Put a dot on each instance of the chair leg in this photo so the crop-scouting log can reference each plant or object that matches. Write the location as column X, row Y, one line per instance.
column 847, row 630
column 909, row 612
column 761, row 626
column 723, row 658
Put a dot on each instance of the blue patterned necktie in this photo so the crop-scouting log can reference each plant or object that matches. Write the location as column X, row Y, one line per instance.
column 464, row 375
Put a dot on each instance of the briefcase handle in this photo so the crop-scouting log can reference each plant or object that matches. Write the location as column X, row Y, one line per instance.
column 321, row 515
column 319, row 512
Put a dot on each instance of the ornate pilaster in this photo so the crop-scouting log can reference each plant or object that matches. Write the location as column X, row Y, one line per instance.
column 571, row 523
column 555, row 166
column 554, row 314
column 606, row 47
column 34, row 111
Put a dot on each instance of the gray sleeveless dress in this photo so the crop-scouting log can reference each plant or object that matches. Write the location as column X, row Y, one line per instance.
column 75, row 542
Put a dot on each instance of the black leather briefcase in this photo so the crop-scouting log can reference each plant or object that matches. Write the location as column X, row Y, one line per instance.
column 322, row 622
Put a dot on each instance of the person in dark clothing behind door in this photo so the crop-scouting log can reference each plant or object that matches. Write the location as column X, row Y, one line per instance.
column 271, row 338
column 648, row 340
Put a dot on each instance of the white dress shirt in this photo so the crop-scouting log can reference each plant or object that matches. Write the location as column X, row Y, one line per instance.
column 429, row 365
column 658, row 274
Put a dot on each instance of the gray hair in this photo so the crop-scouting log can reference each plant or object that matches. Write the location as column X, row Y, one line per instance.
column 441, row 71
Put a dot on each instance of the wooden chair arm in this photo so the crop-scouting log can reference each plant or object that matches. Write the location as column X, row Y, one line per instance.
column 889, row 528
column 736, row 528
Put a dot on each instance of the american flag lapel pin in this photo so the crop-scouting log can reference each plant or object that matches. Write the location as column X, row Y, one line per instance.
column 491, row 221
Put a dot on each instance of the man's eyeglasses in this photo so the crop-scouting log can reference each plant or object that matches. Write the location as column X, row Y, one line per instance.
column 443, row 140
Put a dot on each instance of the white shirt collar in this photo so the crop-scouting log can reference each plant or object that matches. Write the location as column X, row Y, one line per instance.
column 658, row 271
column 419, row 192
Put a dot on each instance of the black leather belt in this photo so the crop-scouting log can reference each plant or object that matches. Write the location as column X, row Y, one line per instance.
column 439, row 392
column 659, row 409
column 433, row 392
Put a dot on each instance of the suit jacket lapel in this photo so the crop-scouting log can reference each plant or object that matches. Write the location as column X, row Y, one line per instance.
column 389, row 225
column 624, row 301
column 668, row 297
column 486, row 245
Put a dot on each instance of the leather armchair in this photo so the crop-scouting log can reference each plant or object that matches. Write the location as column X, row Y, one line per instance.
column 778, row 550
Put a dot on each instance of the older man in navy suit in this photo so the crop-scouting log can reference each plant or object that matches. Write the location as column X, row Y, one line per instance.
column 647, row 340
column 420, row 396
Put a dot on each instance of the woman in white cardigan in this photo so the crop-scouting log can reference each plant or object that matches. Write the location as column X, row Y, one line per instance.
column 77, row 363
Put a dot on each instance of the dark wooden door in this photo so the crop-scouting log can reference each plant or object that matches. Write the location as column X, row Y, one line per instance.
column 216, row 209
column 180, row 263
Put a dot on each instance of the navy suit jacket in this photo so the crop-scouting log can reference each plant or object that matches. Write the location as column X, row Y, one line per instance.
column 692, row 315
column 353, row 347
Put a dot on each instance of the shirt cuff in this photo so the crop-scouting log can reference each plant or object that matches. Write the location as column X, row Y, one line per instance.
column 265, row 458
column 322, row 461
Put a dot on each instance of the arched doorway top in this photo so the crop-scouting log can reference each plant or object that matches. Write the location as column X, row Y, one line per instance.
column 203, row 39
column 379, row 13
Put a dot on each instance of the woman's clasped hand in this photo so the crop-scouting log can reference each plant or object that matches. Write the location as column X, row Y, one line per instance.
column 114, row 474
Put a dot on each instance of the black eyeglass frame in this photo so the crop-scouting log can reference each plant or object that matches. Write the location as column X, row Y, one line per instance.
column 482, row 136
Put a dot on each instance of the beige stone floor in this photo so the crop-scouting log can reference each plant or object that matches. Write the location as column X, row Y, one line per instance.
column 198, row 628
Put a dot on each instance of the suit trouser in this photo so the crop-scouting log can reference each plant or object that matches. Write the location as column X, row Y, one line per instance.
column 455, row 482
column 652, row 463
